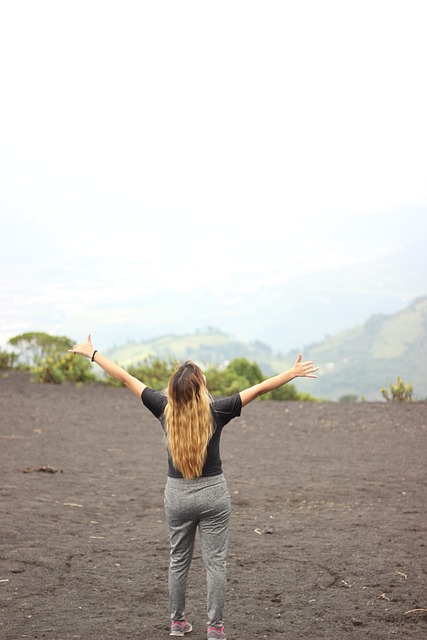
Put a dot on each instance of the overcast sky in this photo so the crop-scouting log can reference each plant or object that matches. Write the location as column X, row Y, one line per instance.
column 158, row 145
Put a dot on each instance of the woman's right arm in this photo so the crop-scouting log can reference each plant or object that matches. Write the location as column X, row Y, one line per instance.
column 86, row 349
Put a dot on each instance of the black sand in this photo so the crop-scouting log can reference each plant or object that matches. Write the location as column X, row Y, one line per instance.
column 327, row 538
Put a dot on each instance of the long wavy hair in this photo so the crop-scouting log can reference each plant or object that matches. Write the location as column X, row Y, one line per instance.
column 188, row 419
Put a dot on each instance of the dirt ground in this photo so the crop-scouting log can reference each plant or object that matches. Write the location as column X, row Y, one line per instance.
column 328, row 530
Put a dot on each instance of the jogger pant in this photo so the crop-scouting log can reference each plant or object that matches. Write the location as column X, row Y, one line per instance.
column 202, row 503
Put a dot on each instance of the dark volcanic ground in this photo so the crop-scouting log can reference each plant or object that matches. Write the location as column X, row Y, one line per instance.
column 328, row 530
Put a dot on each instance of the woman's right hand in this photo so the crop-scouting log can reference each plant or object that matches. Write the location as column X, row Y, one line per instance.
column 84, row 348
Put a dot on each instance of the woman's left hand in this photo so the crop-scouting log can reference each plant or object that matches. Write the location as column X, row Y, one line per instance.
column 304, row 369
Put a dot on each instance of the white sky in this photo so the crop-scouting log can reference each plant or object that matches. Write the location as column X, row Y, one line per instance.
column 148, row 145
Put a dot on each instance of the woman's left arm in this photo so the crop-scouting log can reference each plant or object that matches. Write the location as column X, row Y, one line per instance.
column 299, row 370
column 86, row 349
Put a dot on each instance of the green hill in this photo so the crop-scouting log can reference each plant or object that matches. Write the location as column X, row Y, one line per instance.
column 356, row 362
column 363, row 359
column 207, row 347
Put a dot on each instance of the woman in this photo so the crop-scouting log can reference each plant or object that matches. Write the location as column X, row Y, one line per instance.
column 196, row 494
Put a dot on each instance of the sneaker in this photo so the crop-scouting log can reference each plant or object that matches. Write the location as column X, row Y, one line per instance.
column 216, row 633
column 179, row 628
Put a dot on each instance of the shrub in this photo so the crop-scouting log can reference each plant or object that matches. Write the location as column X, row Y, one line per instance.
column 241, row 374
column 400, row 391
column 7, row 359
column 349, row 398
column 155, row 373
column 287, row 392
column 60, row 367
column 238, row 374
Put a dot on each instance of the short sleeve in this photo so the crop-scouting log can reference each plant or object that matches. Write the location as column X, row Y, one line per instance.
column 225, row 409
column 155, row 401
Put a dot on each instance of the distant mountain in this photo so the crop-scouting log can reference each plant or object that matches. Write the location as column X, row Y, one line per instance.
column 284, row 313
column 363, row 359
column 310, row 307
column 208, row 347
column 358, row 361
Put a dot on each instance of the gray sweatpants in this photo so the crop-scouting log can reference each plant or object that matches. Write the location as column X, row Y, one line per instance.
column 202, row 503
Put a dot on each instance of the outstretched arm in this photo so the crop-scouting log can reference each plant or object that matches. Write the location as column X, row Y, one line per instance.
column 299, row 370
column 86, row 349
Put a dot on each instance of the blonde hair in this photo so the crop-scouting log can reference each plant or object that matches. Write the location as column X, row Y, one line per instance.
column 188, row 419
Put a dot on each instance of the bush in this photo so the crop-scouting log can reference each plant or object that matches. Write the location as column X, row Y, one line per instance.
column 238, row 374
column 7, row 359
column 155, row 373
column 287, row 392
column 399, row 392
column 348, row 398
column 60, row 367
column 241, row 374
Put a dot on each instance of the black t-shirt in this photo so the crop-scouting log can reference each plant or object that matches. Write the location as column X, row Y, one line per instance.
column 223, row 410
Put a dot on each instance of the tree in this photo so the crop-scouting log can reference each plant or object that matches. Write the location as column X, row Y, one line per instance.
column 34, row 347
column 48, row 359
column 243, row 369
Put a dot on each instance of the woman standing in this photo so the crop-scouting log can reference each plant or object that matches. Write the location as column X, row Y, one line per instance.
column 196, row 494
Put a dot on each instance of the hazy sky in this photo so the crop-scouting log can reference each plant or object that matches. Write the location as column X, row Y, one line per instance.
column 165, row 145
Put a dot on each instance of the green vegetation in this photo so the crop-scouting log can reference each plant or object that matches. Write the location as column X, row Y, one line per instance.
column 154, row 372
column 34, row 347
column 60, row 367
column 7, row 359
column 352, row 363
column 399, row 392
column 239, row 374
column 349, row 398
column 48, row 360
